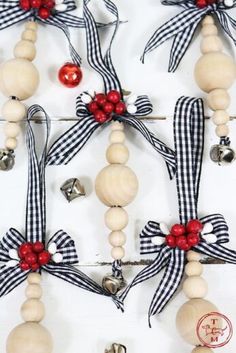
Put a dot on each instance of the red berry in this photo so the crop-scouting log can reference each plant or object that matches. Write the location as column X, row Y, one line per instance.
column 92, row 107
column 24, row 266
column 44, row 12
column 100, row 99
column 108, row 107
column 31, row 258
column 35, row 267
column 70, row 75
column 24, row 249
column 185, row 246
column 25, row 5
column 50, row 4
column 113, row 96
column 181, row 241
column 120, row 108
column 38, row 246
column 193, row 239
column 171, row 241
column 35, row 4
column 194, row 226
column 44, row 257
column 177, row 230
column 100, row 116
column 201, row 3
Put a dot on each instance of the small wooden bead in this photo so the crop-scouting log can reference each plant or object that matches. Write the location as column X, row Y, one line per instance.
column 220, row 117
column 193, row 268
column 30, row 35
column 33, row 291
column 193, row 256
column 117, row 153
column 208, row 20
column 25, row 50
column 202, row 350
column 116, row 125
column 117, row 253
column 116, row 218
column 11, row 129
column 222, row 130
column 218, row 99
column 31, row 25
column 13, row 110
column 11, row 143
column 32, row 310
column 34, row 278
column 117, row 238
column 195, row 287
column 117, row 136
column 209, row 30
column 211, row 44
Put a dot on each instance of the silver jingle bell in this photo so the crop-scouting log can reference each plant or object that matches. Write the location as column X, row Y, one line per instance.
column 116, row 348
column 7, row 159
column 222, row 154
column 113, row 284
column 72, row 189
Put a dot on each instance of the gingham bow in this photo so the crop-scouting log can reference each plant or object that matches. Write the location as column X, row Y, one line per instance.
column 183, row 26
column 60, row 245
column 189, row 141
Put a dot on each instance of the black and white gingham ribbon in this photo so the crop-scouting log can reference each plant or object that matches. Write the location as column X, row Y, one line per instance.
column 189, row 141
column 183, row 26
column 11, row 277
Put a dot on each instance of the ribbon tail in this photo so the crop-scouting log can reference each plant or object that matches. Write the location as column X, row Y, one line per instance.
column 217, row 251
column 10, row 278
column 13, row 15
column 225, row 21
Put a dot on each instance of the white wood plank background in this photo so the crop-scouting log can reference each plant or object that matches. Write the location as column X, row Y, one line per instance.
column 80, row 321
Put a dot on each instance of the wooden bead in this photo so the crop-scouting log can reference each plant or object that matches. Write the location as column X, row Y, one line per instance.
column 202, row 350
column 116, row 185
column 193, row 268
column 222, row 130
column 34, row 278
column 193, row 256
column 30, row 35
column 117, row 136
column 32, row 310
column 195, row 287
column 215, row 70
column 188, row 317
column 209, row 30
column 117, row 253
column 33, row 291
column 218, row 99
column 116, row 125
column 13, row 110
column 11, row 143
column 29, row 337
column 31, row 25
column 18, row 78
column 220, row 117
column 117, row 238
column 208, row 20
column 211, row 44
column 116, row 218
column 25, row 50
column 11, row 129
column 117, row 153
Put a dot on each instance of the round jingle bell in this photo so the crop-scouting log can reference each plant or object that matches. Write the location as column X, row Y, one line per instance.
column 113, row 284
column 222, row 154
column 116, row 348
column 7, row 159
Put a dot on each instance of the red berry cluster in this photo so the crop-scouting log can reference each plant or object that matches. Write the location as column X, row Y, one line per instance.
column 203, row 3
column 103, row 105
column 184, row 237
column 44, row 7
column 33, row 255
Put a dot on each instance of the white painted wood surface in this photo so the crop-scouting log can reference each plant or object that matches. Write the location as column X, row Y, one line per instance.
column 80, row 321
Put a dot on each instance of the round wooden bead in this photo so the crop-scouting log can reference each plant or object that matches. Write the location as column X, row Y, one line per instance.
column 188, row 317
column 13, row 110
column 202, row 350
column 11, row 129
column 117, row 153
column 116, row 185
column 117, row 136
column 11, row 143
column 208, row 20
column 195, row 287
column 211, row 44
column 209, row 30
column 34, row 278
column 32, row 310
column 31, row 25
column 116, row 218
column 33, row 291
column 116, row 125
column 218, row 99
column 117, row 253
column 25, row 50
column 117, row 238
column 30, row 35
column 222, row 130
column 220, row 117
column 18, row 78
column 193, row 268
column 215, row 70
column 29, row 337
column 193, row 256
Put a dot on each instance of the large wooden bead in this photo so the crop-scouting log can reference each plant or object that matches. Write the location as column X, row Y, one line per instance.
column 32, row 310
column 211, row 44
column 220, row 117
column 13, row 110
column 218, row 99
column 18, row 78
column 188, row 318
column 117, row 153
column 222, row 130
column 215, row 70
column 34, row 278
column 193, row 268
column 117, row 238
column 116, row 185
column 116, row 218
column 193, row 256
column 29, row 337
column 33, row 291
column 25, row 50
column 202, row 350
column 30, row 35
column 117, row 253
column 117, row 136
column 195, row 287
column 11, row 129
